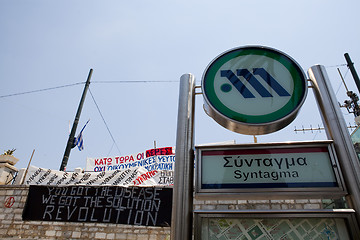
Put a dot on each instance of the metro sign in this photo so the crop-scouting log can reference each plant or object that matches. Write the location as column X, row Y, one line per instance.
column 253, row 82
column 253, row 90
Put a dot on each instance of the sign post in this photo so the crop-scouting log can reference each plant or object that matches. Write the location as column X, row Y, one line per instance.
column 335, row 128
column 182, row 210
column 259, row 90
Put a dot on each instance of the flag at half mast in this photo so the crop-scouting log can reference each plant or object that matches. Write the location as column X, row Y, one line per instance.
column 78, row 141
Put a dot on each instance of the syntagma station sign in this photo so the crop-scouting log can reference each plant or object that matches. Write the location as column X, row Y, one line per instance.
column 306, row 168
column 253, row 90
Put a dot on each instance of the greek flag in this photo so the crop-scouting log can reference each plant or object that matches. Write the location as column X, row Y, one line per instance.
column 79, row 142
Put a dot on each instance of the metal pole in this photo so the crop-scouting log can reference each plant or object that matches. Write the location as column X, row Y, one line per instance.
column 76, row 121
column 182, row 209
column 352, row 70
column 336, row 130
column 27, row 169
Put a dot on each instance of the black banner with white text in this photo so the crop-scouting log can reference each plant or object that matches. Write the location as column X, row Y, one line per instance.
column 146, row 206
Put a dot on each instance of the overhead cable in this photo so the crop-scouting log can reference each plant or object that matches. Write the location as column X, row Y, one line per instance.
column 70, row 85
column 107, row 127
column 135, row 81
column 339, row 65
column 41, row 90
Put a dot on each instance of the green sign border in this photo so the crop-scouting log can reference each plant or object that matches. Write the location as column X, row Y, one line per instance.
column 295, row 71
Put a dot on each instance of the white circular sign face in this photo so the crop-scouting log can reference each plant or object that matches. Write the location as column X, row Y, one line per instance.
column 257, row 105
column 253, row 86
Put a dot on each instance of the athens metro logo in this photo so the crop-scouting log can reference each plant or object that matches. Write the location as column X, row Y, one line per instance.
column 253, row 90
column 253, row 81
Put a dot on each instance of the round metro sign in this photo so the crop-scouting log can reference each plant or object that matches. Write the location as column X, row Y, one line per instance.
column 253, row 90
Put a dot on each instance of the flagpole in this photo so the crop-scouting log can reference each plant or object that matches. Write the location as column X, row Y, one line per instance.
column 76, row 121
column 27, row 169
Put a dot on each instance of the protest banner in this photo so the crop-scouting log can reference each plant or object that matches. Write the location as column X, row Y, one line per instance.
column 146, row 206
column 129, row 177
column 152, row 159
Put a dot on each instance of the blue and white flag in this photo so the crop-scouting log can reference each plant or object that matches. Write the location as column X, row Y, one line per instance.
column 79, row 142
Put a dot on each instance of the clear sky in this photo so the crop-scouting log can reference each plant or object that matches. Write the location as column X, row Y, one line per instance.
column 139, row 50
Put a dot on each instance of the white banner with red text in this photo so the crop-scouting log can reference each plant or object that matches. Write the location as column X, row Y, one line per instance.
column 160, row 159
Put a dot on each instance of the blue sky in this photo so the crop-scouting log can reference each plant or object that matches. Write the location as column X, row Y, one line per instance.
column 139, row 50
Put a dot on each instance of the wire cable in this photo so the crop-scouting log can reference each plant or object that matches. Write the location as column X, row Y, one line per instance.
column 41, row 90
column 342, row 82
column 107, row 127
column 339, row 65
column 108, row 154
column 70, row 85
column 136, row 81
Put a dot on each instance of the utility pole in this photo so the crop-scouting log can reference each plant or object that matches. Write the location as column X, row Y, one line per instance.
column 352, row 70
column 76, row 121
column 353, row 103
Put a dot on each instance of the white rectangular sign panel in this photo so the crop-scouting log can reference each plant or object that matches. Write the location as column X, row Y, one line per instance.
column 266, row 166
